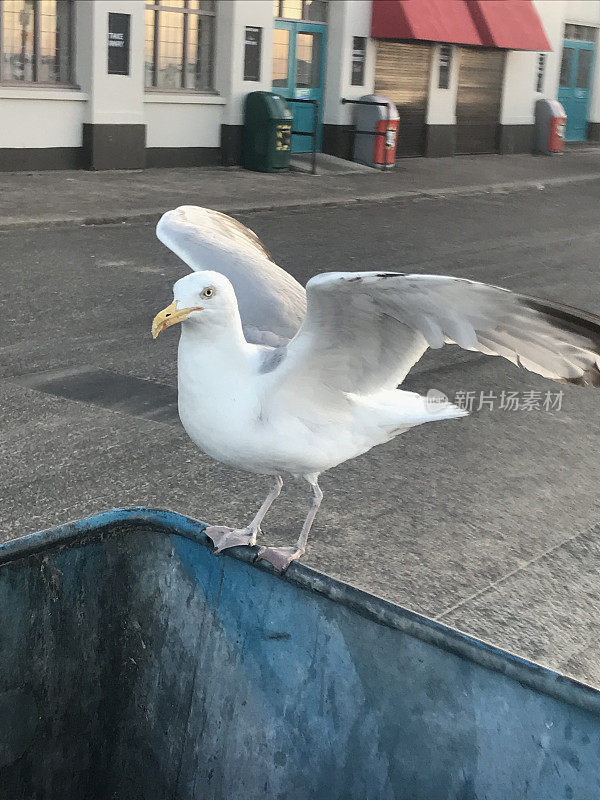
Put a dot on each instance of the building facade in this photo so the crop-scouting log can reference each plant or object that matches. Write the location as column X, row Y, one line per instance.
column 109, row 84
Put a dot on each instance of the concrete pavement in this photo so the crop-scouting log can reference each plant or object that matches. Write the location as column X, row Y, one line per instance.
column 488, row 523
column 63, row 198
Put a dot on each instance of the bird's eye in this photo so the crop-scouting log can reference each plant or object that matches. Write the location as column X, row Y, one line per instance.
column 208, row 292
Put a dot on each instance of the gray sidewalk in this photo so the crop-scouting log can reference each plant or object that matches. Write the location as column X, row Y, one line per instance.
column 80, row 197
column 489, row 525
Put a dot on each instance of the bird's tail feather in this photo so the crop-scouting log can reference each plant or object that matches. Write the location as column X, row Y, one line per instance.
column 398, row 410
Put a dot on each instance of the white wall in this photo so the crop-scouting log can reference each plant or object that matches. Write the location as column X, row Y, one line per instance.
column 183, row 121
column 584, row 12
column 519, row 88
column 116, row 99
column 587, row 12
column 441, row 103
column 41, row 117
column 520, row 74
column 232, row 18
column 346, row 20
column 53, row 117
column 554, row 14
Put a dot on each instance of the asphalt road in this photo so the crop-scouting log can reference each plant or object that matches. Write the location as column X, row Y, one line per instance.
column 489, row 523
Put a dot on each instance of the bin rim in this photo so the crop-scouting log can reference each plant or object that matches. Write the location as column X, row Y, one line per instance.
column 391, row 615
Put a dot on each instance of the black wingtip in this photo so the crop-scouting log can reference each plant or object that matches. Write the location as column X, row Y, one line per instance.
column 591, row 377
column 574, row 321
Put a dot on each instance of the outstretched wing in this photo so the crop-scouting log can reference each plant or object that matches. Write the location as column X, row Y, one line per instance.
column 364, row 331
column 272, row 304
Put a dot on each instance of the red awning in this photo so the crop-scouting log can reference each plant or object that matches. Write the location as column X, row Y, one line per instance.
column 509, row 24
column 428, row 20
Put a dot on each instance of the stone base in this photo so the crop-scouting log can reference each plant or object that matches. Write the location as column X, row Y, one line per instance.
column 231, row 145
column 24, row 159
column 183, row 156
column 515, row 139
column 593, row 132
column 338, row 140
column 109, row 146
column 440, row 140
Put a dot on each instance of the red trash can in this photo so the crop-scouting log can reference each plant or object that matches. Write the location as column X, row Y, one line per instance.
column 376, row 122
column 385, row 146
column 550, row 123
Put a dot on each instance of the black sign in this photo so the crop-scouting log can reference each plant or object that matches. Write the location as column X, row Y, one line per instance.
column 359, row 55
column 118, row 44
column 252, row 54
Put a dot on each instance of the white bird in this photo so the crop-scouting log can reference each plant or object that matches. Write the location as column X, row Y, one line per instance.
column 273, row 379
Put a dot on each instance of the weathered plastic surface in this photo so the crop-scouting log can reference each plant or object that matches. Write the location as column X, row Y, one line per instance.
column 547, row 112
column 373, row 118
column 266, row 138
column 134, row 664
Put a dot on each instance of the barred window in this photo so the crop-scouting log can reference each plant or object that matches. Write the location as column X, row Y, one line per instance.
column 36, row 41
column 179, row 50
column 580, row 33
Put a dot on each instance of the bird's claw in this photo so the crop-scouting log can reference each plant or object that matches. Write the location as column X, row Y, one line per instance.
column 224, row 538
column 279, row 557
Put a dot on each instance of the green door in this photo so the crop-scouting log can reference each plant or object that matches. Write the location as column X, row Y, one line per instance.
column 574, row 87
column 299, row 73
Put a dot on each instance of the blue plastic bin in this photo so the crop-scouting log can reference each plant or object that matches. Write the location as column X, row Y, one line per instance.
column 134, row 664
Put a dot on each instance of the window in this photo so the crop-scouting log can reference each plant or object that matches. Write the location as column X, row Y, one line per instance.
column 281, row 49
column 308, row 60
column 565, row 67
column 584, row 67
column 359, row 53
column 541, row 66
column 35, row 43
column 180, row 44
column 309, row 10
column 252, row 48
column 580, row 33
column 445, row 64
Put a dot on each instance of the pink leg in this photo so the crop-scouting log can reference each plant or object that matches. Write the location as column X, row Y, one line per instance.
column 282, row 557
column 224, row 537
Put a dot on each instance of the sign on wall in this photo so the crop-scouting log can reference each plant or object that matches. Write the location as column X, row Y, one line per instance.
column 252, row 49
column 118, row 43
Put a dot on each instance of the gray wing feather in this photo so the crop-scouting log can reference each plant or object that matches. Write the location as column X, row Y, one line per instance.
column 364, row 331
column 272, row 303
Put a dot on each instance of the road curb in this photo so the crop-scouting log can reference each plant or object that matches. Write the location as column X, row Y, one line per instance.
column 152, row 216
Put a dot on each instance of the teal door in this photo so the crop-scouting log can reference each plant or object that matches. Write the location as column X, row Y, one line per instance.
column 299, row 73
column 574, row 87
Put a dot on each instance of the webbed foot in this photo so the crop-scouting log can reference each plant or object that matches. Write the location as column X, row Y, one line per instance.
column 223, row 537
column 280, row 557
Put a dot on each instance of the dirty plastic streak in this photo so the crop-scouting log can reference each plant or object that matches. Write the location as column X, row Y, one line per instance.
column 526, row 672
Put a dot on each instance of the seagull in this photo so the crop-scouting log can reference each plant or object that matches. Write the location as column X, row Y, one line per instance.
column 277, row 379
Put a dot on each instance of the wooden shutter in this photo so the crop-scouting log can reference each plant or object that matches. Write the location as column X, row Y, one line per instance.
column 478, row 100
column 402, row 74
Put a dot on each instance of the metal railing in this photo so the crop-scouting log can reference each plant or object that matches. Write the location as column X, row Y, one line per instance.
column 345, row 100
column 314, row 133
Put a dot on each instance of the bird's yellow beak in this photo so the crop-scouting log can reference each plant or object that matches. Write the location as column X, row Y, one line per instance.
column 169, row 316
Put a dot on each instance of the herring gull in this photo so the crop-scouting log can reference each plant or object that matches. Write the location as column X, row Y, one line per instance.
column 273, row 378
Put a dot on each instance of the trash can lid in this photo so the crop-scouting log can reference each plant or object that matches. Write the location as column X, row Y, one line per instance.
column 268, row 104
column 553, row 106
column 380, row 98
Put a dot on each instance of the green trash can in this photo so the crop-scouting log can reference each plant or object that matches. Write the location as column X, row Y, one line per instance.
column 266, row 143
